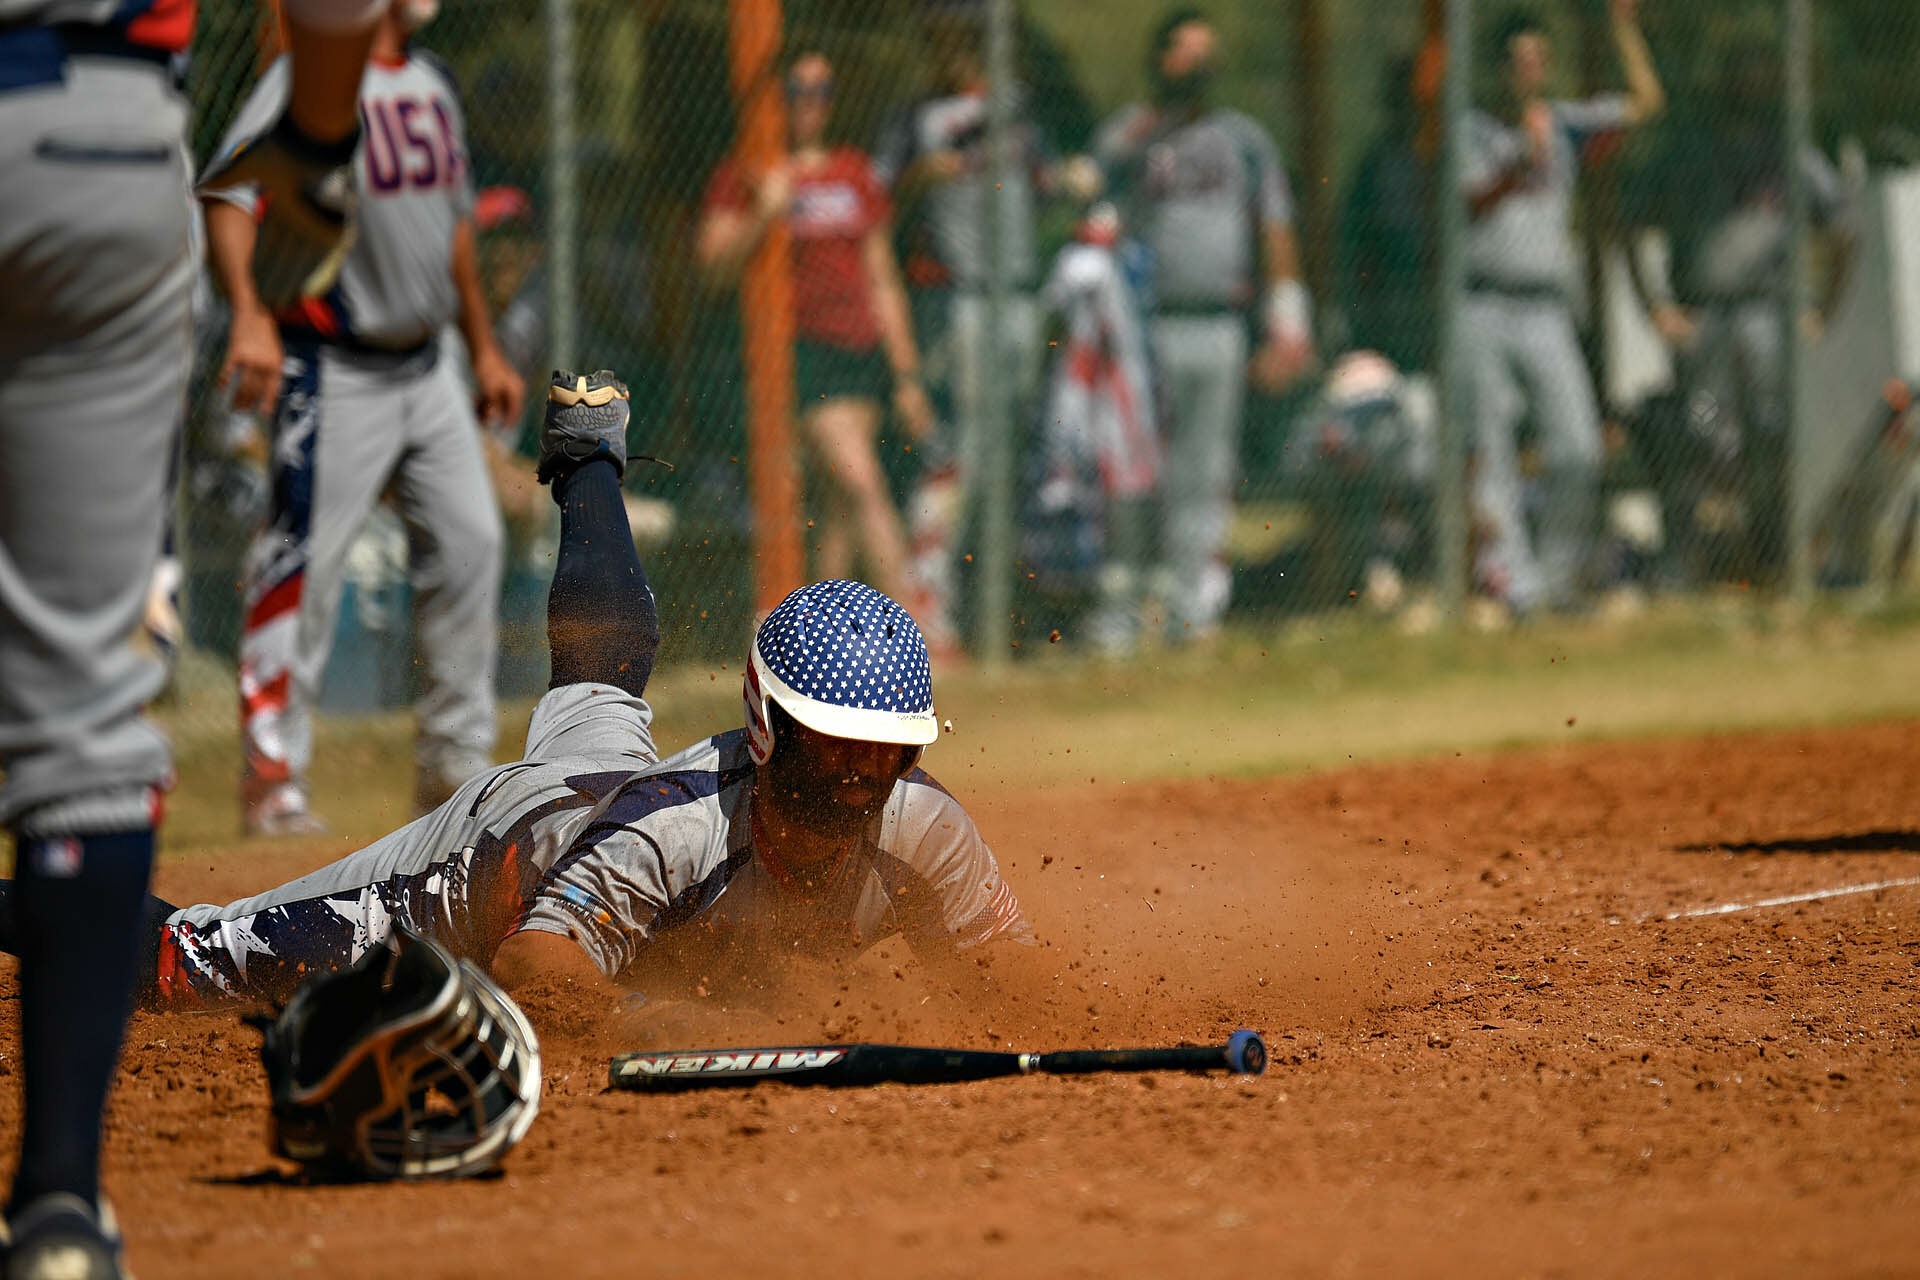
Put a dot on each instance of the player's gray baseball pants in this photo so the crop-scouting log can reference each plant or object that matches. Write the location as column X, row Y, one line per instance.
column 1203, row 372
column 1523, row 356
column 96, row 272
column 349, row 425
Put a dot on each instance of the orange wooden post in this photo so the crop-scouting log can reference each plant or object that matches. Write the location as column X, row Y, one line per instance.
column 766, row 313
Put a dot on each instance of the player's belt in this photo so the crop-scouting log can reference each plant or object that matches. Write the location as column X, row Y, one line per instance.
column 1196, row 310
column 1523, row 290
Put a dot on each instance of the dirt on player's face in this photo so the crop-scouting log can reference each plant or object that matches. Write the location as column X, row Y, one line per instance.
column 830, row 787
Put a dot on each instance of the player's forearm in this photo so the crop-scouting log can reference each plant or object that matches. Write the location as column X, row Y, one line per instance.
column 532, row 956
column 890, row 306
column 727, row 240
column 1646, row 98
column 1838, row 248
column 328, row 42
column 231, row 233
column 476, row 324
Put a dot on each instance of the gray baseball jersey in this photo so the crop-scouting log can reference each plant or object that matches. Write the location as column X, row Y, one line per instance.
column 649, row 865
column 1525, row 242
column 957, row 209
column 1198, row 193
column 396, row 288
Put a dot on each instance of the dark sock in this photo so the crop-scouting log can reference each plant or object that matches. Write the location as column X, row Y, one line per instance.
column 602, row 626
column 79, row 906
column 9, row 940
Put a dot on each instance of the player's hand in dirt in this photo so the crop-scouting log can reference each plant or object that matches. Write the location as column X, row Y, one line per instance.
column 915, row 409
column 1281, row 362
column 499, row 390
column 251, row 371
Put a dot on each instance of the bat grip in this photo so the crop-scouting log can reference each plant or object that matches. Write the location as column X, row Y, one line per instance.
column 1244, row 1054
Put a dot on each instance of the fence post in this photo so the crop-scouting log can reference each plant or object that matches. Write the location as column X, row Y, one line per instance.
column 1797, row 137
column 1450, row 291
column 766, row 312
column 563, row 191
column 996, row 565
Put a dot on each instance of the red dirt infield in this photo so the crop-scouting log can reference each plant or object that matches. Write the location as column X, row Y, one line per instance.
column 1489, row 1054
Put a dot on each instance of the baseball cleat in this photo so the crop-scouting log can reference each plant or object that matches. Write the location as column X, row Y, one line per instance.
column 62, row 1237
column 282, row 811
column 586, row 419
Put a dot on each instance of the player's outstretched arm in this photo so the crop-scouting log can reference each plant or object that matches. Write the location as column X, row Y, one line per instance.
column 328, row 41
column 532, row 956
column 602, row 625
column 251, row 370
column 1645, row 96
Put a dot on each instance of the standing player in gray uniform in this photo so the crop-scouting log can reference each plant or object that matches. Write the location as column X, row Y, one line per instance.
column 1204, row 187
column 935, row 155
column 364, row 401
column 96, row 275
column 1717, row 186
column 809, row 832
column 1516, row 329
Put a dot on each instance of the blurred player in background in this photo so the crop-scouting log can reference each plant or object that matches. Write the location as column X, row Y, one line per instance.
column 1203, row 186
column 935, row 160
column 1717, row 187
column 1088, row 527
column 852, row 332
column 361, row 400
column 807, row 835
column 97, row 266
column 1516, row 327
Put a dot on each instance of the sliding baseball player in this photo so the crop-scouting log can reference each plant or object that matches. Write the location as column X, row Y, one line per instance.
column 809, row 831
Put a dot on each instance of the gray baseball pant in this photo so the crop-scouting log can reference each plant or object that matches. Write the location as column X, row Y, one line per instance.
column 348, row 426
column 96, row 272
column 1522, row 355
column 1203, row 374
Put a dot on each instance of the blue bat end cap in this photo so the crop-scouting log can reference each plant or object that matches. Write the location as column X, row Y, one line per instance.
column 1246, row 1053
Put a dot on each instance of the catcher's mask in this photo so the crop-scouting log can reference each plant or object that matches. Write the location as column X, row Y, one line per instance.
column 843, row 660
column 407, row 1064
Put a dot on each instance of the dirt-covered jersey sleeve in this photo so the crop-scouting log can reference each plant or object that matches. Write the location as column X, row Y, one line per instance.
column 954, row 898
column 606, row 894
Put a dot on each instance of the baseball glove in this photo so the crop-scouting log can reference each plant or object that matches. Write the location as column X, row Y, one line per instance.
column 308, row 191
column 408, row 1064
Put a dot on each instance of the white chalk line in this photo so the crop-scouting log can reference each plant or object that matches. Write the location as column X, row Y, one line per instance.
column 1728, row 908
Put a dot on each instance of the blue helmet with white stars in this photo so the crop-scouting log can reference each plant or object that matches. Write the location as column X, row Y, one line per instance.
column 844, row 660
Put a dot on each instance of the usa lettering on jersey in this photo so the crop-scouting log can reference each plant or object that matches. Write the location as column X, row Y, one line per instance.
column 411, row 144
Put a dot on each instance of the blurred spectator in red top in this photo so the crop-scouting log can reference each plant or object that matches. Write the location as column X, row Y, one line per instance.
column 852, row 333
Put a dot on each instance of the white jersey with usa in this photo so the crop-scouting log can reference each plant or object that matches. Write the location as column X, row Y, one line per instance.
column 396, row 289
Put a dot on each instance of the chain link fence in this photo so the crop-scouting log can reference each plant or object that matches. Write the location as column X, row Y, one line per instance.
column 1628, row 313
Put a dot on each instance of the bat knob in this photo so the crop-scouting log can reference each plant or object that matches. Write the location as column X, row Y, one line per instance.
column 1246, row 1053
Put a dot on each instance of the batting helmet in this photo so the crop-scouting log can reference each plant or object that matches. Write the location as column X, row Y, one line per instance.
column 407, row 1064
column 843, row 660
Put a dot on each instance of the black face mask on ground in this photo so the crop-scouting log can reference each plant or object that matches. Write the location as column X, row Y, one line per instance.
column 1190, row 88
